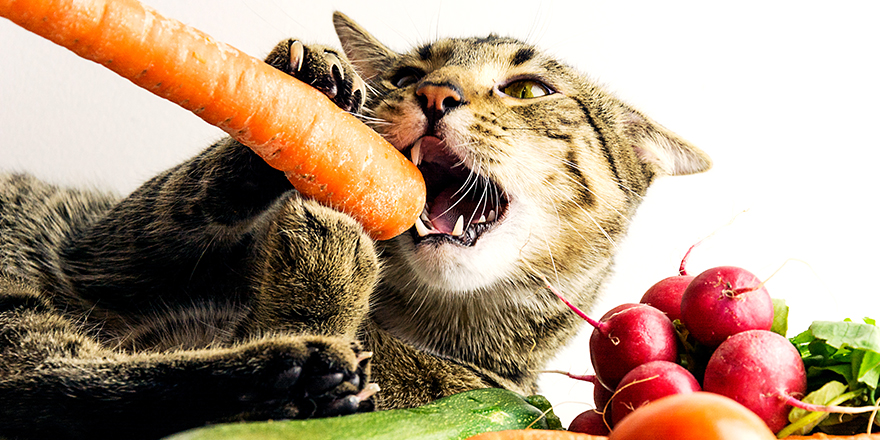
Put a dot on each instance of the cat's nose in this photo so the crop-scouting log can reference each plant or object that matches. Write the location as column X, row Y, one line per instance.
column 438, row 99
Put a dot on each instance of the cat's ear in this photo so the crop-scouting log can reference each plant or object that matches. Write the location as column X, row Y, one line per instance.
column 666, row 151
column 368, row 56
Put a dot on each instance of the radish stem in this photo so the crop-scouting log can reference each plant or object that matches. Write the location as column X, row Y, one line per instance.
column 828, row 408
column 815, row 416
column 596, row 324
column 741, row 290
column 681, row 268
column 582, row 377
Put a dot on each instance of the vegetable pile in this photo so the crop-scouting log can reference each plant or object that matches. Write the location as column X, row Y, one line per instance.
column 720, row 332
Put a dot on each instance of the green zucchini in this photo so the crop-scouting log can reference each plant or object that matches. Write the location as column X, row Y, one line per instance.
column 455, row 417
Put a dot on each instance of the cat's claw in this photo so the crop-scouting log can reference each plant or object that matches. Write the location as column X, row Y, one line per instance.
column 337, row 73
column 350, row 404
column 297, row 55
column 334, row 390
column 329, row 72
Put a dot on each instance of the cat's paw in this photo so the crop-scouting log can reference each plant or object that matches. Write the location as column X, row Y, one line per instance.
column 303, row 377
column 325, row 69
column 315, row 271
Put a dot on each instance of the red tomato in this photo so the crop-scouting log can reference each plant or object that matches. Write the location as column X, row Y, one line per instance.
column 692, row 416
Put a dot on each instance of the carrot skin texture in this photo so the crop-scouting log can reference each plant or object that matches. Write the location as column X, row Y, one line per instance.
column 326, row 153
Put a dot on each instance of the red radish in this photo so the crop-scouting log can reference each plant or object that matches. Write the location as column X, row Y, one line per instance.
column 628, row 336
column 647, row 383
column 724, row 301
column 601, row 395
column 666, row 295
column 761, row 370
column 589, row 422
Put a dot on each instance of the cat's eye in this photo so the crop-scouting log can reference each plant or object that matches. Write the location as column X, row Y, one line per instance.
column 526, row 89
column 406, row 77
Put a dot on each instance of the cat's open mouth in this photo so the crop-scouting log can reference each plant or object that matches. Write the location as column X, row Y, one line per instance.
column 461, row 203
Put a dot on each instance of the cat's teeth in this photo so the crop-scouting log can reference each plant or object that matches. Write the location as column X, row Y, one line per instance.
column 421, row 229
column 416, row 152
column 491, row 217
column 459, row 226
column 482, row 219
column 424, row 215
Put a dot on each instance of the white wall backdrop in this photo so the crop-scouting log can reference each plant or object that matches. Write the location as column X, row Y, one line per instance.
column 782, row 94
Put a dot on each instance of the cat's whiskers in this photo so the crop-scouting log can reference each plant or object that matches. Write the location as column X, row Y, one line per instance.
column 595, row 222
column 588, row 189
column 473, row 178
column 549, row 248
column 371, row 121
column 465, row 189
column 563, row 160
column 366, row 115
column 483, row 201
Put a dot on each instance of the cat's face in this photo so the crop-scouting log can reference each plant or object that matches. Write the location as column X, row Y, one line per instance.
column 528, row 166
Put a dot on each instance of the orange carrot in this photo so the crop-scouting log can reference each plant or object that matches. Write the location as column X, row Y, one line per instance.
column 326, row 153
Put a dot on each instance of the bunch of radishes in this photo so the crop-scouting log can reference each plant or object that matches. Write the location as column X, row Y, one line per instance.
column 722, row 343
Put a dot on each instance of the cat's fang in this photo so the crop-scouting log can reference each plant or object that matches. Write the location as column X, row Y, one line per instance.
column 459, row 227
column 416, row 152
column 421, row 229
column 492, row 216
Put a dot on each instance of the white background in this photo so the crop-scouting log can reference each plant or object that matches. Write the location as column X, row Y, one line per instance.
column 782, row 94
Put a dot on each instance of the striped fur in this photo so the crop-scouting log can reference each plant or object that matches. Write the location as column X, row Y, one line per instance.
column 570, row 162
column 154, row 307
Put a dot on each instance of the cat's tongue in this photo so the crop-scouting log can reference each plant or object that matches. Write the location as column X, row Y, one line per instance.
column 449, row 205
column 443, row 214
column 450, row 195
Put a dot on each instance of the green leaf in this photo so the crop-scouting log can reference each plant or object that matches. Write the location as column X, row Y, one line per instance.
column 820, row 354
column 846, row 333
column 868, row 371
column 821, row 348
column 780, row 317
column 805, row 421
column 845, row 370
column 804, row 337
column 842, row 354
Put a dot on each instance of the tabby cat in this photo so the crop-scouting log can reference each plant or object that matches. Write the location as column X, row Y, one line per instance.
column 214, row 292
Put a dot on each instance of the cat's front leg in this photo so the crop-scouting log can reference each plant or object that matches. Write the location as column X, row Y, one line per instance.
column 315, row 269
column 411, row 377
column 58, row 382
